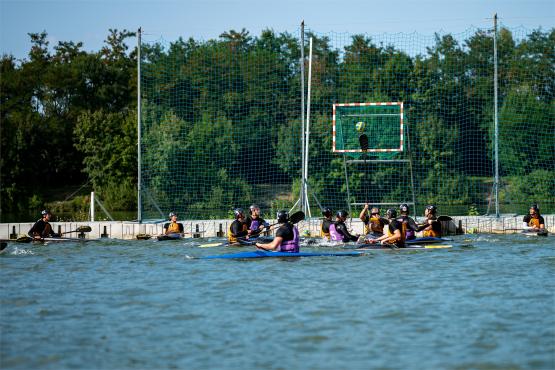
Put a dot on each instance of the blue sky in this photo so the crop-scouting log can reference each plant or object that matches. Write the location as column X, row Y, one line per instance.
column 89, row 20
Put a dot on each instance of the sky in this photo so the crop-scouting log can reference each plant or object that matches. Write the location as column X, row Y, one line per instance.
column 88, row 21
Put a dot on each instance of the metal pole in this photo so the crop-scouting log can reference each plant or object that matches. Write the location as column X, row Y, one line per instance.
column 139, row 179
column 307, row 134
column 495, row 118
column 92, row 206
column 303, row 208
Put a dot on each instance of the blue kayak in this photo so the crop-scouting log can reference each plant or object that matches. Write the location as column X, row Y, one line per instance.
column 265, row 254
column 427, row 240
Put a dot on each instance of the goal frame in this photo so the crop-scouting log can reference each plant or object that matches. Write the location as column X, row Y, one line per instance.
column 369, row 150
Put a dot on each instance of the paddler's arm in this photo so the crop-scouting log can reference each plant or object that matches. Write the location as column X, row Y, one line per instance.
column 272, row 246
column 393, row 238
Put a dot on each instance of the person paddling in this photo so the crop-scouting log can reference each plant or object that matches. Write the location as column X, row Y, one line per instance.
column 42, row 228
column 173, row 227
column 431, row 227
column 339, row 231
column 255, row 223
column 533, row 221
column 238, row 228
column 326, row 222
column 287, row 236
column 395, row 234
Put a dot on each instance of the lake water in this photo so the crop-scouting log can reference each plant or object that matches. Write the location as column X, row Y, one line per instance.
column 489, row 304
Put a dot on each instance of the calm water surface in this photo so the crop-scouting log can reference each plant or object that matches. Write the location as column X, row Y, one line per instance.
column 144, row 305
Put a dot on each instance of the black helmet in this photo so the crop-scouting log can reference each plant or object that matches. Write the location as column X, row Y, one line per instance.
column 375, row 211
column 342, row 214
column 391, row 213
column 238, row 212
column 432, row 209
column 45, row 212
column 404, row 208
column 535, row 208
column 253, row 207
column 326, row 212
column 282, row 216
column 172, row 214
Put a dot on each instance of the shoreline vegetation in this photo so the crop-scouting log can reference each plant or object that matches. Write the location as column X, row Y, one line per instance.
column 69, row 121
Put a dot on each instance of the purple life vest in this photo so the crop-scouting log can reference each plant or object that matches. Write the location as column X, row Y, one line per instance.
column 291, row 246
column 255, row 224
column 334, row 234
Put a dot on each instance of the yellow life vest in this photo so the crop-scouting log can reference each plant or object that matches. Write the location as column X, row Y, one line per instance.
column 431, row 233
column 173, row 228
column 232, row 239
column 534, row 222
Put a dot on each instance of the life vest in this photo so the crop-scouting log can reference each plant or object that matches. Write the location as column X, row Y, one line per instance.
column 534, row 222
column 390, row 232
column 232, row 239
column 255, row 224
column 323, row 232
column 373, row 225
column 334, row 234
column 291, row 246
column 433, row 232
column 173, row 228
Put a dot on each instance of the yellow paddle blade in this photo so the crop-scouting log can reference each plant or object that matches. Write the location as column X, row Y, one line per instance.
column 437, row 246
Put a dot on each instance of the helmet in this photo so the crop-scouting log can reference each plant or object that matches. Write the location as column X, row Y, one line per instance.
column 326, row 212
column 253, row 207
column 172, row 214
column 404, row 208
column 535, row 208
column 45, row 212
column 238, row 212
column 432, row 209
column 391, row 213
column 282, row 216
column 342, row 214
column 375, row 211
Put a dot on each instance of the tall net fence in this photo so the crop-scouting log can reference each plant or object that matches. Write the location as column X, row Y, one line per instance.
column 222, row 128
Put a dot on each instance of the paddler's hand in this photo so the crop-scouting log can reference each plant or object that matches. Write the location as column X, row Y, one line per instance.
column 372, row 241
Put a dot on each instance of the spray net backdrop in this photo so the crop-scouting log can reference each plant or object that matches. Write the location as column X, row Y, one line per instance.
column 222, row 121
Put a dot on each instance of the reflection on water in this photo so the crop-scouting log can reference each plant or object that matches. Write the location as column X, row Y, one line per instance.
column 143, row 304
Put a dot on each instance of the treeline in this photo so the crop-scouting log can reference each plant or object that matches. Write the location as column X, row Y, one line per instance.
column 221, row 119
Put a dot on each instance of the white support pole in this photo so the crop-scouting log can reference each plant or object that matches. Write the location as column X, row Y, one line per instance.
column 139, row 179
column 307, row 133
column 302, row 192
column 495, row 119
column 92, row 206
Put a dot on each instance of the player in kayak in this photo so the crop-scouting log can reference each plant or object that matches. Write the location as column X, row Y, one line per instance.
column 339, row 231
column 173, row 227
column 255, row 223
column 431, row 227
column 533, row 221
column 409, row 225
column 373, row 222
column 238, row 228
column 287, row 236
column 326, row 222
column 395, row 231
column 42, row 228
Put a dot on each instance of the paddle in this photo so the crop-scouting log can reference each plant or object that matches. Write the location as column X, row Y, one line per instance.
column 80, row 229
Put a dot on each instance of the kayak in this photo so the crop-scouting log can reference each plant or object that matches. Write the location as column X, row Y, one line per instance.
column 427, row 240
column 367, row 247
column 169, row 237
column 45, row 240
column 535, row 233
column 266, row 254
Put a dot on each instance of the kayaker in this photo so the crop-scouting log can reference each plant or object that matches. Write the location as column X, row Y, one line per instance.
column 373, row 222
column 339, row 231
column 395, row 233
column 173, row 227
column 42, row 228
column 287, row 236
column 431, row 227
column 238, row 228
column 255, row 223
column 533, row 221
column 326, row 222
column 410, row 225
